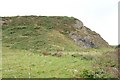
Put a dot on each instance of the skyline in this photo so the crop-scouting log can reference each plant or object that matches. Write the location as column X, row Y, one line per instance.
column 102, row 19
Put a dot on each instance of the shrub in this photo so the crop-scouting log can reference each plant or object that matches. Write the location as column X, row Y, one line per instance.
column 83, row 57
column 95, row 73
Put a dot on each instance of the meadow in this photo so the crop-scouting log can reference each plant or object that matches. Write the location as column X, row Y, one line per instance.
column 41, row 47
column 91, row 63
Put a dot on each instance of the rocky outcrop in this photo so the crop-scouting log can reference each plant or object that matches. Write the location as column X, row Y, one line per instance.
column 78, row 24
column 86, row 38
column 82, row 42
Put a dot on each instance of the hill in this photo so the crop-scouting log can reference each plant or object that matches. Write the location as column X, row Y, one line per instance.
column 41, row 33
column 54, row 47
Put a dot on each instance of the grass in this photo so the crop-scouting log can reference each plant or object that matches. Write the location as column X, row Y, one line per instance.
column 25, row 39
column 28, row 38
column 25, row 64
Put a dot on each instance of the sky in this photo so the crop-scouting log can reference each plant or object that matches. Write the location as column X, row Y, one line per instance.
column 98, row 15
column 119, row 23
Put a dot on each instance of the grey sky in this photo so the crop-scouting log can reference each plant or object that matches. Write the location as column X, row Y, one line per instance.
column 119, row 23
column 99, row 15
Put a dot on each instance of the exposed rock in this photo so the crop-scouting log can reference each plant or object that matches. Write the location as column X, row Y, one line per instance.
column 78, row 24
column 86, row 38
column 82, row 42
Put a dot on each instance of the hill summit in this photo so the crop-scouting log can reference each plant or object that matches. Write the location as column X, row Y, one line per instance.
column 48, row 33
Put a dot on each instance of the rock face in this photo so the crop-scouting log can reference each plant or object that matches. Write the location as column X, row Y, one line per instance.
column 82, row 42
column 86, row 38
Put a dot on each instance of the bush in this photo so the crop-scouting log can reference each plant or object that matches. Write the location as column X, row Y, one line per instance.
column 83, row 57
column 95, row 73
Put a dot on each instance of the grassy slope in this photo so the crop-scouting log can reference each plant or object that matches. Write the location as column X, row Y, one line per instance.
column 22, row 63
column 39, row 36
column 24, row 37
column 38, row 40
column 40, row 33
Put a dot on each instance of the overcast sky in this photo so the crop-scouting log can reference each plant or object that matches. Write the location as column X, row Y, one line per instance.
column 98, row 15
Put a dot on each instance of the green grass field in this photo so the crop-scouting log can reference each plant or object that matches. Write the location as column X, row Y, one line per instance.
column 26, row 38
column 93, row 63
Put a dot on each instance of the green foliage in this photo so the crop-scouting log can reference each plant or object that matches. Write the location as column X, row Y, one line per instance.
column 95, row 73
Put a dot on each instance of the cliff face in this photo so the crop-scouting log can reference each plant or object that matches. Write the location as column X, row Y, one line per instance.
column 86, row 38
column 49, row 33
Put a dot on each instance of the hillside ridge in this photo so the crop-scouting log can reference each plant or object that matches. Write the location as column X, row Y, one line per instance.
column 40, row 33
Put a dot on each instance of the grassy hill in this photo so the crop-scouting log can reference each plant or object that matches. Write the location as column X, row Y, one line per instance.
column 75, row 50
column 41, row 33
